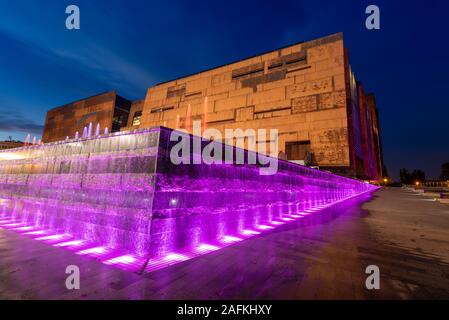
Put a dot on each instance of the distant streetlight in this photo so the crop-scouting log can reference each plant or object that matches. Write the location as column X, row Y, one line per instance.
column 417, row 183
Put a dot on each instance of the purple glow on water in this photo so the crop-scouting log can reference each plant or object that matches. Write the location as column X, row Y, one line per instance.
column 95, row 251
column 23, row 229
column 119, row 199
column 35, row 233
column 230, row 239
column 53, row 237
column 205, row 248
column 250, row 232
column 71, row 243
column 171, row 257
column 126, row 259
column 264, row 227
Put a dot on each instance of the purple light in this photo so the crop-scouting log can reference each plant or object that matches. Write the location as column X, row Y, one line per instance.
column 264, row 227
column 250, row 232
column 23, row 229
column 71, row 244
column 205, row 248
column 96, row 251
column 126, row 259
column 119, row 198
column 176, row 257
column 230, row 239
column 35, row 233
column 9, row 225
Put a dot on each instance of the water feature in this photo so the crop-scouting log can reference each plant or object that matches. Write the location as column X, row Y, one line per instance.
column 121, row 191
column 89, row 131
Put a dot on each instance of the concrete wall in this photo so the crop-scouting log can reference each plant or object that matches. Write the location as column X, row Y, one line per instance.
column 66, row 120
column 299, row 90
column 306, row 91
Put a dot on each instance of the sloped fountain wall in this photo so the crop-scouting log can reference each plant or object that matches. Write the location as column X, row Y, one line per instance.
column 198, row 203
column 96, row 189
column 123, row 191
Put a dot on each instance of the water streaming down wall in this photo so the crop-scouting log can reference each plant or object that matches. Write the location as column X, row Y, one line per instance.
column 121, row 190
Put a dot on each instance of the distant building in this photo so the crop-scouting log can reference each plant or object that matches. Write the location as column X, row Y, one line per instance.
column 108, row 109
column 10, row 144
column 307, row 91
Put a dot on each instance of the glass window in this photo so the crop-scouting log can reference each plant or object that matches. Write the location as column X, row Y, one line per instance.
column 136, row 118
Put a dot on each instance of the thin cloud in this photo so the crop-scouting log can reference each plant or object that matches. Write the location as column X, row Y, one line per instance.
column 15, row 121
column 92, row 58
column 108, row 67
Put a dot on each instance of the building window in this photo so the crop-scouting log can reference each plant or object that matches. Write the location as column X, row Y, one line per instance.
column 117, row 123
column 297, row 150
column 136, row 118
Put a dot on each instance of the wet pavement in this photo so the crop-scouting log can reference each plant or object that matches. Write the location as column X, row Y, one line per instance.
column 323, row 256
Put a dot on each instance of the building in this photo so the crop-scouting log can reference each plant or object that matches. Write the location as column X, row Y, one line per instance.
column 10, row 144
column 108, row 109
column 307, row 91
column 136, row 114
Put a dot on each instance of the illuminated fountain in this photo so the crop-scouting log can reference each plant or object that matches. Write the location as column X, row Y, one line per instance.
column 120, row 199
column 89, row 131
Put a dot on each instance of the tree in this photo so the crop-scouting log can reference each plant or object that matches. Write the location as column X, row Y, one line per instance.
column 410, row 178
column 418, row 175
column 385, row 171
column 445, row 171
column 404, row 175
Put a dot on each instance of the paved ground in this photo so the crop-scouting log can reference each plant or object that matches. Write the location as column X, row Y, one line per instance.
column 319, row 257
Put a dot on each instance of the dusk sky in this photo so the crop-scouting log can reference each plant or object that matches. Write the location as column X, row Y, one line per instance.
column 129, row 46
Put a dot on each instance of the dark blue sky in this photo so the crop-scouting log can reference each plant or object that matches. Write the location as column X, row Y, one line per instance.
column 131, row 45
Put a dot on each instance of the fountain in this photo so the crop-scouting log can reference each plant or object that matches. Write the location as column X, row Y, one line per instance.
column 123, row 192
column 97, row 130
column 89, row 131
